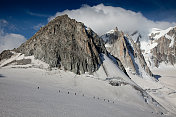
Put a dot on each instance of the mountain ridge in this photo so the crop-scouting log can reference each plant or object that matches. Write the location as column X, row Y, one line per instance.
column 62, row 41
column 162, row 46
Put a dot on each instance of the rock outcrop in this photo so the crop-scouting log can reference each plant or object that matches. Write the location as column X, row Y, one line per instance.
column 138, row 54
column 119, row 48
column 165, row 50
column 6, row 54
column 127, row 51
column 66, row 43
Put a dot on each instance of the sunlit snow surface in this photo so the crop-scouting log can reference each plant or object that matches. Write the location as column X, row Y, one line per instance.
column 164, row 91
column 159, row 33
column 35, row 91
column 148, row 43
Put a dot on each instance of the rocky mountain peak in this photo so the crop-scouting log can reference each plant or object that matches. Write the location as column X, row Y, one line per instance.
column 66, row 43
column 127, row 51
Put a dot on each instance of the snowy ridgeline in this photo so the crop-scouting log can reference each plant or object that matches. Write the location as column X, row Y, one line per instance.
column 157, row 41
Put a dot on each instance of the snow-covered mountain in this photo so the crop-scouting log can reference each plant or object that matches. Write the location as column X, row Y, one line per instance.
column 161, row 47
column 66, row 69
column 158, row 47
column 133, row 50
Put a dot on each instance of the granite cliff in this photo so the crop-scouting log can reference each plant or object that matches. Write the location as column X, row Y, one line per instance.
column 66, row 43
column 128, row 51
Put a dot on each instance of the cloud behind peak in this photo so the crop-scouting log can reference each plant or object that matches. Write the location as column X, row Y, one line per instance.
column 103, row 18
column 9, row 40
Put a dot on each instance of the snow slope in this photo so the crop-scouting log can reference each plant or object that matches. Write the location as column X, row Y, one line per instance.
column 159, row 33
column 166, row 95
column 28, row 90
column 20, row 96
column 164, row 91
column 110, row 70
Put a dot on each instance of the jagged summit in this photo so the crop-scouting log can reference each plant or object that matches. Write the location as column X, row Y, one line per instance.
column 161, row 48
column 158, row 33
column 66, row 43
column 123, row 47
column 111, row 36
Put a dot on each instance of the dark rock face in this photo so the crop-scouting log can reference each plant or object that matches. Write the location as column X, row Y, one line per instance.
column 126, row 50
column 64, row 42
column 165, row 51
column 138, row 54
column 6, row 54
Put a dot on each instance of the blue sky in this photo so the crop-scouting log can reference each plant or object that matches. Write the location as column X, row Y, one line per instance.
column 21, row 19
column 25, row 16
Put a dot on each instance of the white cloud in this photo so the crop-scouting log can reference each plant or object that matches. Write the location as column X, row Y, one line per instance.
column 37, row 14
column 7, row 25
column 37, row 27
column 3, row 23
column 104, row 18
column 9, row 40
